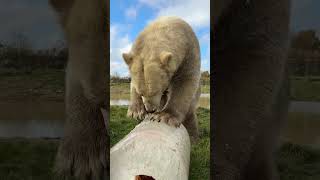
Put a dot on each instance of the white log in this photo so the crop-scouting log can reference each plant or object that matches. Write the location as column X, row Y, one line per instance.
column 153, row 149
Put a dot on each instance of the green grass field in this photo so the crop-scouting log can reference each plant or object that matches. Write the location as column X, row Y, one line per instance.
column 37, row 85
column 205, row 88
column 32, row 159
column 305, row 90
column 49, row 85
column 295, row 162
column 120, row 90
column 27, row 159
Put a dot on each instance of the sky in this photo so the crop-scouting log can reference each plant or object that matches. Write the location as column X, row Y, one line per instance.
column 37, row 21
column 129, row 17
column 32, row 18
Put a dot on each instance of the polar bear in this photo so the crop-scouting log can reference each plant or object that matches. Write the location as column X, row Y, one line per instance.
column 250, row 43
column 164, row 65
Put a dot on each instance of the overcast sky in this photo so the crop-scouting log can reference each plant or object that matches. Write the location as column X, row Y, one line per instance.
column 33, row 18
column 37, row 21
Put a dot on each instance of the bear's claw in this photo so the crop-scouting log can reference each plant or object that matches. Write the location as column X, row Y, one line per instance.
column 167, row 118
column 136, row 112
column 82, row 160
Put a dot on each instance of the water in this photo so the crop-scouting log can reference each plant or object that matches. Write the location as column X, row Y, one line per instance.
column 31, row 128
column 205, row 95
column 119, row 102
column 305, row 106
column 46, row 120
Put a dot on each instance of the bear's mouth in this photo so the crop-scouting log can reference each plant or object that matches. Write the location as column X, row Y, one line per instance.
column 165, row 92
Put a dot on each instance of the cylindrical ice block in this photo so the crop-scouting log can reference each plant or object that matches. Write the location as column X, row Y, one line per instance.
column 151, row 149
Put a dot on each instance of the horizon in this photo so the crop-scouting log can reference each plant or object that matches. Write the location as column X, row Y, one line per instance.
column 37, row 21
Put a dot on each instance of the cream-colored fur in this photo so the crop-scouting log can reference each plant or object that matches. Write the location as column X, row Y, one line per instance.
column 164, row 65
column 83, row 152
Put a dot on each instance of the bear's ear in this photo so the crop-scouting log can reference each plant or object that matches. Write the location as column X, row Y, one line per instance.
column 128, row 57
column 167, row 61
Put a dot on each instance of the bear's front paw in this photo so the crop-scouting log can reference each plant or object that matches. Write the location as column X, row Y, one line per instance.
column 136, row 111
column 168, row 118
column 82, row 159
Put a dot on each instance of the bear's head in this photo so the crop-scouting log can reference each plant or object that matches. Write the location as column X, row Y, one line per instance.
column 151, row 77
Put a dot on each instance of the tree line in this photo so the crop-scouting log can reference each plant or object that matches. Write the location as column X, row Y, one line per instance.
column 20, row 56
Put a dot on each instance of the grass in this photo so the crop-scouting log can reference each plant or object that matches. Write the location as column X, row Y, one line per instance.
column 297, row 162
column 32, row 159
column 39, row 84
column 120, row 90
column 27, row 159
column 205, row 88
column 305, row 90
column 120, row 126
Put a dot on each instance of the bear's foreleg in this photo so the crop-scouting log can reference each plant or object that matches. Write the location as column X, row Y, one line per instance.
column 191, row 122
column 84, row 150
column 136, row 108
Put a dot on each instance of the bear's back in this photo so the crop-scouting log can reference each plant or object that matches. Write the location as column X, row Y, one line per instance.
column 166, row 33
column 172, row 23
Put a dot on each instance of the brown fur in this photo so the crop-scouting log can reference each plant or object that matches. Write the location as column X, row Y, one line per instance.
column 84, row 150
column 251, row 87
column 165, row 58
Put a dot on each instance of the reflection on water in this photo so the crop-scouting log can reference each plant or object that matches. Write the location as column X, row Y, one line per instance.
column 46, row 119
column 119, row 102
column 31, row 128
column 305, row 106
column 205, row 95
